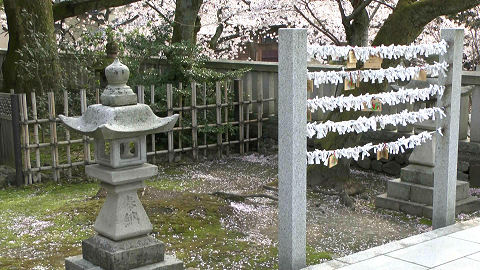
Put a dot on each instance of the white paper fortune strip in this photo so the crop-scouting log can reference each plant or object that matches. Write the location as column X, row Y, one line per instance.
column 364, row 124
column 358, row 103
column 360, row 152
column 379, row 75
column 386, row 52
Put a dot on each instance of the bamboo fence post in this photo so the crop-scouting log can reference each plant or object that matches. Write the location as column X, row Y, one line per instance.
column 259, row 110
column 141, row 94
column 152, row 102
column 194, row 121
column 226, row 117
column 205, row 118
column 180, row 116
column 97, row 95
column 26, row 139
column 249, row 107
column 241, row 123
column 271, row 93
column 67, row 132
column 38, row 176
column 86, row 144
column 218, row 101
column 170, row 113
column 53, row 135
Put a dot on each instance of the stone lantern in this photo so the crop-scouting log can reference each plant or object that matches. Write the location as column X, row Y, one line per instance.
column 119, row 126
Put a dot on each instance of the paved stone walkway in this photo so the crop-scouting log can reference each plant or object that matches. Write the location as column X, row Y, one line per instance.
column 455, row 247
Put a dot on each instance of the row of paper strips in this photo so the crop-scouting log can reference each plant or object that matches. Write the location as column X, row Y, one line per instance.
column 361, row 102
column 391, row 74
column 387, row 52
column 364, row 124
column 360, row 152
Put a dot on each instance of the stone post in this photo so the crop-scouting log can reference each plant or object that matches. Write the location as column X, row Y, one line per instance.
column 446, row 154
column 292, row 146
column 475, row 122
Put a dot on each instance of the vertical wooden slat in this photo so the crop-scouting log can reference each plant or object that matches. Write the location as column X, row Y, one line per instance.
column 194, row 121
column 152, row 102
column 180, row 116
column 259, row 110
column 86, row 144
column 17, row 133
column 226, row 116
column 218, row 101
column 249, row 107
column 241, row 124
column 271, row 93
column 25, row 140
column 53, row 135
column 67, row 132
column 38, row 164
column 97, row 95
column 170, row 113
column 141, row 94
column 204, row 97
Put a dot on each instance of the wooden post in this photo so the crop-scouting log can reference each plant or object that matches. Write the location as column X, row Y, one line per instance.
column 259, row 112
column 152, row 102
column 292, row 147
column 38, row 176
column 170, row 113
column 53, row 135
column 17, row 138
column 205, row 118
column 271, row 93
column 446, row 151
column 86, row 143
column 249, row 107
column 26, row 134
column 180, row 115
column 241, row 123
column 67, row 132
column 194, row 121
column 226, row 116
column 218, row 101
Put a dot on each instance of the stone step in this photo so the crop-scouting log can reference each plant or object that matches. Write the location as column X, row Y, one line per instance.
column 467, row 205
column 407, row 191
column 417, row 174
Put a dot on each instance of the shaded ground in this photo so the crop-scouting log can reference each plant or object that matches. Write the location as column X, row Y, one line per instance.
column 42, row 224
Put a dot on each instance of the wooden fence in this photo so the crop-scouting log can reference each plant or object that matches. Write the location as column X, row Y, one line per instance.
column 215, row 120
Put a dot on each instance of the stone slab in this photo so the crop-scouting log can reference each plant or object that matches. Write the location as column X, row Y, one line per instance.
column 384, row 262
column 436, row 252
column 330, row 265
column 472, row 235
column 417, row 174
column 78, row 263
column 463, row 264
column 122, row 255
column 122, row 175
column 398, row 189
column 474, row 175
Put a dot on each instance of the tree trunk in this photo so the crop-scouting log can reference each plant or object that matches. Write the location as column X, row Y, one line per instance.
column 356, row 30
column 22, row 14
column 187, row 22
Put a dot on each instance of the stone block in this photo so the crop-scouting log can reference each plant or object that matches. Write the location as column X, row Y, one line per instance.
column 122, row 215
column 463, row 190
column 392, row 168
column 78, row 263
column 474, row 175
column 462, row 176
column 401, row 158
column 377, row 165
column 421, row 194
column 463, row 166
column 122, row 175
column 383, row 201
column 417, row 174
column 122, row 255
column 364, row 163
column 398, row 189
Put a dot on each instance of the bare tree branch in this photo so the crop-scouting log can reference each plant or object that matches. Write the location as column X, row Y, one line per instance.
column 68, row 9
column 320, row 27
column 359, row 9
column 159, row 12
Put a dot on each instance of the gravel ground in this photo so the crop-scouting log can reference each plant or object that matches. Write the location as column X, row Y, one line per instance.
column 331, row 226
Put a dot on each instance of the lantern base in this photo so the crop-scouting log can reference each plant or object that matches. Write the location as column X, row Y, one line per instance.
column 78, row 263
